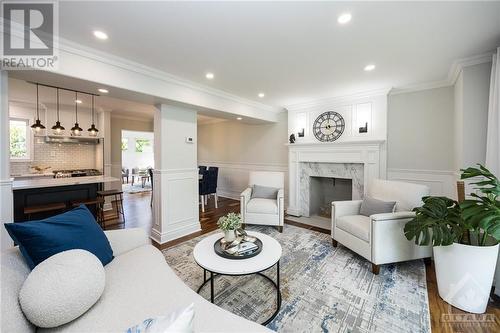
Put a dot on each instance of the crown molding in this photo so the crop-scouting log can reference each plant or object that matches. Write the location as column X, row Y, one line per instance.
column 340, row 99
column 455, row 69
column 420, row 86
column 113, row 60
column 459, row 64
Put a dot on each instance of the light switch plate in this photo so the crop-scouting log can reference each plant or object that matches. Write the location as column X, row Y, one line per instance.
column 189, row 140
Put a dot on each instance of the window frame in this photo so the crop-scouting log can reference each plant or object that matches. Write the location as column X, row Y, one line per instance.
column 29, row 141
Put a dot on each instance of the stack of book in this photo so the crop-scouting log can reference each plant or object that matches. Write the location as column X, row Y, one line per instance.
column 242, row 249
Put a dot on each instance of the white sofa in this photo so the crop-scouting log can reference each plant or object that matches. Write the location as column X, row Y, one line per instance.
column 380, row 237
column 139, row 285
column 264, row 211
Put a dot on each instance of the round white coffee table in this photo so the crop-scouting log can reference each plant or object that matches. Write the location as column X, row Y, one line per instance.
column 205, row 256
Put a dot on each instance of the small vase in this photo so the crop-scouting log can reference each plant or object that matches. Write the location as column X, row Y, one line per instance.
column 229, row 235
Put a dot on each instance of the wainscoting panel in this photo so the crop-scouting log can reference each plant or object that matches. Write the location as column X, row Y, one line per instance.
column 440, row 182
column 233, row 177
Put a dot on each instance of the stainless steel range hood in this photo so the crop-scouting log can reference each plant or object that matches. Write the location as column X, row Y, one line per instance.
column 70, row 139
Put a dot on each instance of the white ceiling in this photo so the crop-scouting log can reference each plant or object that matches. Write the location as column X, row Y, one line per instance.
column 292, row 51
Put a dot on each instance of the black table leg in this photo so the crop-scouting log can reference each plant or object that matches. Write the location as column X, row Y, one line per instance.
column 211, row 287
column 204, row 275
column 278, row 283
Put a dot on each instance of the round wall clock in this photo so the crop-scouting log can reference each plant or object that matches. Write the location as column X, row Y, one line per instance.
column 329, row 126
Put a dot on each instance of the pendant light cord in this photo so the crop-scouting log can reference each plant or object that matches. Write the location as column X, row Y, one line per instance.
column 93, row 108
column 37, row 104
column 57, row 93
column 76, row 106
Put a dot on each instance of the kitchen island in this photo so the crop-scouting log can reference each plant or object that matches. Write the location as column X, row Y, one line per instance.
column 45, row 191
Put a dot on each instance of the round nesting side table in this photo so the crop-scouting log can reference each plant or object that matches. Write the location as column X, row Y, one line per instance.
column 205, row 256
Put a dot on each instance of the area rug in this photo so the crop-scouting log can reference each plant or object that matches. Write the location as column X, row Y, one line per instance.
column 324, row 289
column 136, row 188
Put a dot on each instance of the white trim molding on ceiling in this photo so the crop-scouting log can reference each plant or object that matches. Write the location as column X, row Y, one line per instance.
column 338, row 100
column 455, row 69
column 164, row 86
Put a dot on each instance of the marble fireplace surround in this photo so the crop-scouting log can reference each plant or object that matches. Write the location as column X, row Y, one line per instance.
column 359, row 160
column 353, row 171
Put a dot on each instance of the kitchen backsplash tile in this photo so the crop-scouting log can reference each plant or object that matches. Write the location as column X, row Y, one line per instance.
column 59, row 157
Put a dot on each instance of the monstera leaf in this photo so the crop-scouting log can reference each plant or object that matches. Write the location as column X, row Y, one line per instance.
column 437, row 222
column 481, row 213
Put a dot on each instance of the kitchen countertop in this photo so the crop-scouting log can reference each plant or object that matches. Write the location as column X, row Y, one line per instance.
column 23, row 184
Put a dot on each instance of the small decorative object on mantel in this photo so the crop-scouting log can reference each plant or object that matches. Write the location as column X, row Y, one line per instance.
column 242, row 247
column 292, row 138
column 301, row 133
column 228, row 224
column 364, row 129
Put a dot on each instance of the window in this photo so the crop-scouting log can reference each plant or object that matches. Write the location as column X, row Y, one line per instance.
column 20, row 139
column 124, row 144
column 143, row 146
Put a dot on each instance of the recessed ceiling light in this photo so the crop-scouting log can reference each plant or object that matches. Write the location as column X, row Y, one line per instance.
column 262, row 95
column 239, row 118
column 102, row 90
column 78, row 101
column 210, row 76
column 369, row 67
column 344, row 18
column 100, row 35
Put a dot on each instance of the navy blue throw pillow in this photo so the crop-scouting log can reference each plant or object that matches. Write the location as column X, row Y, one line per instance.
column 75, row 229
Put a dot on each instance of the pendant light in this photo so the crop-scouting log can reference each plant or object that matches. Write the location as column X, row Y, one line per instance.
column 37, row 126
column 57, row 128
column 76, row 130
column 93, row 130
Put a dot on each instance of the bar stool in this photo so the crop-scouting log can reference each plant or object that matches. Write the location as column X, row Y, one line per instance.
column 118, row 198
column 98, row 203
column 53, row 207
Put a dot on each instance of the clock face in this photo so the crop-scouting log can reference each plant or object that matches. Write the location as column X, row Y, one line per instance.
column 329, row 126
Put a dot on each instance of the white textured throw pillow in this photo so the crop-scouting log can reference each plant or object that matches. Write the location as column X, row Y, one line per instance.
column 62, row 288
column 176, row 322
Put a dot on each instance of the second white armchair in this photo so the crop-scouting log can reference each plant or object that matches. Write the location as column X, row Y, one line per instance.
column 268, row 207
column 380, row 237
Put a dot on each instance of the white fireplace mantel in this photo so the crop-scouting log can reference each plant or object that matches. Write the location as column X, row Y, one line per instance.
column 370, row 153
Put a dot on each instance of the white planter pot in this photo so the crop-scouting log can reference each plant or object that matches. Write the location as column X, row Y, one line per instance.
column 229, row 235
column 465, row 274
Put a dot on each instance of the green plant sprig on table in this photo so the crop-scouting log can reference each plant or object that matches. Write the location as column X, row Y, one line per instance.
column 443, row 221
column 231, row 221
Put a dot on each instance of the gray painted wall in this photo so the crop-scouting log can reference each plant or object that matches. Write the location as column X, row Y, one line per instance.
column 420, row 130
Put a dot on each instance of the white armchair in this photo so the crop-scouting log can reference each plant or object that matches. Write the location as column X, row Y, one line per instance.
column 380, row 237
column 264, row 211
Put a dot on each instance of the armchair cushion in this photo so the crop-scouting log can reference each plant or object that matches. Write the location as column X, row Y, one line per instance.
column 371, row 206
column 262, row 206
column 356, row 225
column 264, row 192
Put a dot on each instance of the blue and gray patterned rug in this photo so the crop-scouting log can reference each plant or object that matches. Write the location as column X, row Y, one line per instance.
column 324, row 289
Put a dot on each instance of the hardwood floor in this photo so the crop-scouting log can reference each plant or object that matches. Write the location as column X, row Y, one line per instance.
column 444, row 318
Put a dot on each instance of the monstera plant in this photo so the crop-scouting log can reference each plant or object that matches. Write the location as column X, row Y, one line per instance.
column 465, row 239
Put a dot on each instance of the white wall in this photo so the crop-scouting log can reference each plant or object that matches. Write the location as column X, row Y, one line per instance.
column 475, row 94
column 133, row 159
column 238, row 148
column 420, row 140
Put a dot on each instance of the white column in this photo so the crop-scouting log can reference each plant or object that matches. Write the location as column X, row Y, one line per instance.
column 175, row 208
column 104, row 123
column 6, row 198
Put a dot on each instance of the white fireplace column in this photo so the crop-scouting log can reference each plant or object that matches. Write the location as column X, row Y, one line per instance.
column 6, row 196
column 175, row 178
